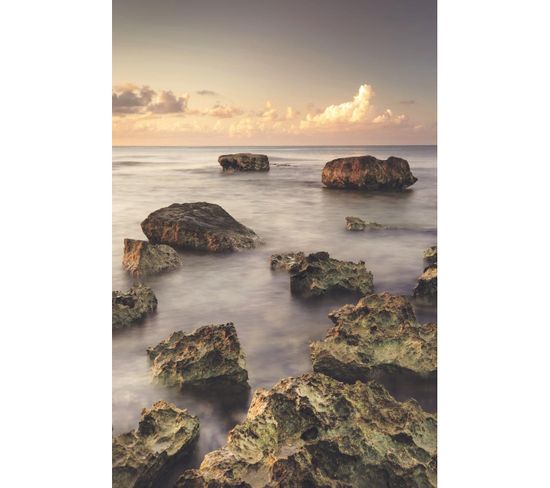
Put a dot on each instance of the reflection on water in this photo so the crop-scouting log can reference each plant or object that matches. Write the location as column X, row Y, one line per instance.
column 291, row 211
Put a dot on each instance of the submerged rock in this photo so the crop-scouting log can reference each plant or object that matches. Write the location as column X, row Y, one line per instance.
column 368, row 173
column 319, row 274
column 430, row 255
column 379, row 335
column 140, row 457
column 132, row 305
column 210, row 354
column 244, row 162
column 200, row 226
column 314, row 431
column 141, row 258
column 426, row 287
column 355, row 223
column 286, row 261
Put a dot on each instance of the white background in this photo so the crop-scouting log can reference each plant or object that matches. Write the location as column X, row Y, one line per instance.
column 55, row 154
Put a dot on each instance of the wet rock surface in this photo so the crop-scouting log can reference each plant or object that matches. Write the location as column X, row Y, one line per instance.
column 210, row 355
column 286, row 261
column 129, row 307
column 199, row 226
column 141, row 457
column 319, row 274
column 314, row 431
column 355, row 224
column 426, row 287
column 244, row 162
column 368, row 173
column 376, row 338
column 142, row 258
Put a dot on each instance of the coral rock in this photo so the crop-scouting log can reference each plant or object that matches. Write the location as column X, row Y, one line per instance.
column 426, row 287
column 430, row 255
column 141, row 258
column 244, row 162
column 286, row 261
column 133, row 305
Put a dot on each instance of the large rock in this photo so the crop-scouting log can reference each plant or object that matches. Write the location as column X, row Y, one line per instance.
column 132, row 305
column 426, row 287
column 368, row 173
column 378, row 336
column 141, row 258
column 319, row 274
column 165, row 434
column 314, row 431
column 286, row 261
column 210, row 354
column 244, row 162
column 200, row 225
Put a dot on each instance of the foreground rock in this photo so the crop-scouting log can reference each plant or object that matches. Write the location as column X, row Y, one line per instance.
column 132, row 305
column 314, row 431
column 376, row 337
column 210, row 354
column 286, row 261
column 141, row 258
column 430, row 255
column 368, row 173
column 244, row 162
column 426, row 287
column 319, row 274
column 140, row 457
column 201, row 226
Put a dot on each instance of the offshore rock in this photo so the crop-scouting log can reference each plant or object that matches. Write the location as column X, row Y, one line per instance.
column 244, row 162
column 141, row 258
column 368, row 173
column 132, row 305
column 430, row 255
column 165, row 434
column 210, row 354
column 319, row 274
column 355, row 224
column 426, row 287
column 286, row 261
column 199, row 226
column 378, row 336
column 314, row 431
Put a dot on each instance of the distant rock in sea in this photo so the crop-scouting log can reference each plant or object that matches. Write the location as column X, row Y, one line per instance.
column 133, row 305
column 355, row 224
column 244, row 162
column 142, row 258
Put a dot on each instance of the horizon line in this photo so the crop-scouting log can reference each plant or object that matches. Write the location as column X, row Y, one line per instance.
column 280, row 145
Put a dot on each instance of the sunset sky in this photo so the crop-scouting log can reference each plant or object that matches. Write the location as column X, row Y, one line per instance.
column 298, row 72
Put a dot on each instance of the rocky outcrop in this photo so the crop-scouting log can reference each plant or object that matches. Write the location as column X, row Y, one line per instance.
column 244, row 162
column 141, row 258
column 165, row 434
column 426, row 287
column 132, row 305
column 210, row 354
column 368, row 173
column 376, row 337
column 430, row 255
column 286, row 261
column 319, row 274
column 355, row 224
column 200, row 226
column 314, row 431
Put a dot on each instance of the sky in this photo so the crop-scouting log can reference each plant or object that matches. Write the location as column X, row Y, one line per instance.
column 281, row 72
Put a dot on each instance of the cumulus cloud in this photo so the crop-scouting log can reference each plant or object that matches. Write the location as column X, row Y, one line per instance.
column 168, row 103
column 270, row 113
column 130, row 99
column 207, row 93
column 388, row 117
column 222, row 111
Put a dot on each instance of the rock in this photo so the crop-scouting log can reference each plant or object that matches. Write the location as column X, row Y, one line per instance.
column 210, row 354
column 132, row 305
column 314, row 431
column 427, row 284
column 199, row 226
column 142, row 258
column 368, row 173
column 319, row 274
column 378, row 336
column 430, row 255
column 165, row 434
column 244, row 162
column 287, row 260
column 355, row 223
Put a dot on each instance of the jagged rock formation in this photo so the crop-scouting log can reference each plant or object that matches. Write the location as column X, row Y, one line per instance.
column 314, row 431
column 426, row 287
column 368, row 173
column 430, row 255
column 165, row 434
column 141, row 258
column 244, row 162
column 286, row 261
column 378, row 336
column 355, row 224
column 210, row 354
column 200, row 226
column 132, row 305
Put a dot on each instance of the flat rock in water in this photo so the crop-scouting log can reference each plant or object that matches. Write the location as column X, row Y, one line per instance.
column 140, row 457
column 141, row 258
column 377, row 336
column 200, row 226
column 210, row 354
column 287, row 260
column 244, row 162
column 426, row 287
column 368, row 173
column 319, row 274
column 133, row 305
column 313, row 431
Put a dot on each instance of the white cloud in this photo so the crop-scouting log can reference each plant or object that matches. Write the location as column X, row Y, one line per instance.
column 387, row 117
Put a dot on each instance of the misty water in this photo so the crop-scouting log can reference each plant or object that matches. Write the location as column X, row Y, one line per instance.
column 291, row 211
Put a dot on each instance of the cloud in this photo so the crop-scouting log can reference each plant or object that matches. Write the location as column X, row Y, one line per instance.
column 270, row 114
column 207, row 93
column 407, row 102
column 222, row 111
column 388, row 118
column 168, row 103
column 130, row 99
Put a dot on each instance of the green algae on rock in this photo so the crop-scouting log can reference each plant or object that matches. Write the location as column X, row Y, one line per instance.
column 132, row 306
column 210, row 354
column 141, row 258
column 165, row 434
column 313, row 431
column 244, row 162
column 377, row 336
